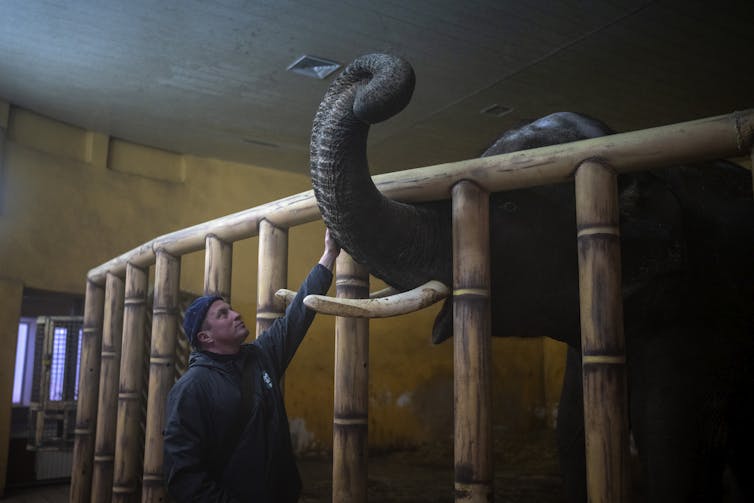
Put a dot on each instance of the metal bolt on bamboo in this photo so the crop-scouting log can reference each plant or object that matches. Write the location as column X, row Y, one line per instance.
column 602, row 339
column 86, row 410
column 351, row 398
column 161, row 370
column 104, row 446
column 472, row 344
column 272, row 274
column 128, row 437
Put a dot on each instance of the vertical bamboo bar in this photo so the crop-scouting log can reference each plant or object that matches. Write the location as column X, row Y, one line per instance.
column 472, row 344
column 272, row 273
column 602, row 340
column 161, row 371
column 218, row 263
column 350, row 417
column 104, row 446
column 128, row 435
column 86, row 408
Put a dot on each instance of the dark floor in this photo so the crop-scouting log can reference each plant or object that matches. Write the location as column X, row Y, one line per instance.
column 525, row 472
column 53, row 493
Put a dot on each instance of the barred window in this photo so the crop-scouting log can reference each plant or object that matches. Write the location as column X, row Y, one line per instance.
column 57, row 367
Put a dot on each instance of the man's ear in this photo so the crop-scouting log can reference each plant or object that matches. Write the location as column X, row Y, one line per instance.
column 204, row 337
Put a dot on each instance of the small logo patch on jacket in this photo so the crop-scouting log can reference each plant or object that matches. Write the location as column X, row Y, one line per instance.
column 267, row 379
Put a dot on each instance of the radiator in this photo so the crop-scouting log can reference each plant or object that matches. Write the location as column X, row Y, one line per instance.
column 53, row 464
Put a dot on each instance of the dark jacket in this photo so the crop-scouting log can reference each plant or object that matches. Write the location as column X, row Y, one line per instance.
column 210, row 452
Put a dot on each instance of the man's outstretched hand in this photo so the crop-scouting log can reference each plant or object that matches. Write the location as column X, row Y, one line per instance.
column 332, row 250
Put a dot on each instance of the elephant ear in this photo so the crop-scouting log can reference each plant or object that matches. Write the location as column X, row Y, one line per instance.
column 443, row 326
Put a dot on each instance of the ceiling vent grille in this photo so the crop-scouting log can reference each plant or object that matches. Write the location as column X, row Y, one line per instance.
column 312, row 66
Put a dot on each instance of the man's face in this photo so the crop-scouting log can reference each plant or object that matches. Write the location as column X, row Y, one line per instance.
column 225, row 330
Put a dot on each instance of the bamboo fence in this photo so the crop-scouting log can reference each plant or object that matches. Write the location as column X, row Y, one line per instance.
column 593, row 164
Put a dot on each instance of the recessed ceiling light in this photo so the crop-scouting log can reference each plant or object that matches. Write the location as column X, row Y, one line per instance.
column 496, row 110
column 312, row 66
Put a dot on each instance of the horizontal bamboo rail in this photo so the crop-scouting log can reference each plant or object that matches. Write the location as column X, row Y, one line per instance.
column 723, row 136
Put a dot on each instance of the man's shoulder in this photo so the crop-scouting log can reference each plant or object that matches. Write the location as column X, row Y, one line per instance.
column 195, row 378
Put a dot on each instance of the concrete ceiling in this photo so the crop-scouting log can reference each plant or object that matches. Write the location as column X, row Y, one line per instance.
column 208, row 77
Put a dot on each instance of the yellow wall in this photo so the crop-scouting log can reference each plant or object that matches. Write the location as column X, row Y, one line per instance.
column 73, row 199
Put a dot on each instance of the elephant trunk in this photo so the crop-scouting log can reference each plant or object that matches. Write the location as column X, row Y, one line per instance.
column 404, row 245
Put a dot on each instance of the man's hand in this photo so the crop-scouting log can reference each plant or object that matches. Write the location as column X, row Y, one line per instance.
column 332, row 250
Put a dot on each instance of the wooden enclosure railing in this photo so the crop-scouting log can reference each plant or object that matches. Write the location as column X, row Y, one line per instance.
column 106, row 457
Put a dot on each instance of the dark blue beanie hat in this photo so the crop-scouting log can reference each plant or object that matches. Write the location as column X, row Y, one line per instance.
column 194, row 316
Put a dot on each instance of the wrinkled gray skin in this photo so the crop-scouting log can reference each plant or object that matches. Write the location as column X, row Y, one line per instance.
column 687, row 237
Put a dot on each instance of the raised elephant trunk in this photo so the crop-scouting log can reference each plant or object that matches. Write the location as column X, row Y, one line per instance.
column 404, row 245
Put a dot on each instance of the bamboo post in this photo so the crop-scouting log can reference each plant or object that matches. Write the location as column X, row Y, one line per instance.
column 472, row 344
column 128, row 435
column 272, row 274
column 86, row 409
column 602, row 340
column 218, row 263
column 161, row 371
column 350, row 415
column 104, row 445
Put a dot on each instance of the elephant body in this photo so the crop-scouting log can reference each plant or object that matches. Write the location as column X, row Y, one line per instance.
column 687, row 243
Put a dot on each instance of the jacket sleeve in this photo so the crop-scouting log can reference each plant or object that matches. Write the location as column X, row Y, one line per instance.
column 185, row 469
column 283, row 337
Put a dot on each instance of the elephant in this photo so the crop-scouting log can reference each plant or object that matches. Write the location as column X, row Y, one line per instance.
column 687, row 243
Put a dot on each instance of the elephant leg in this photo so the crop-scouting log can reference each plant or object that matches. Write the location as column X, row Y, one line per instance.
column 677, row 416
column 570, row 430
column 741, row 441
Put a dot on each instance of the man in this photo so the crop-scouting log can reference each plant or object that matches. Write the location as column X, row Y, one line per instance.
column 226, row 431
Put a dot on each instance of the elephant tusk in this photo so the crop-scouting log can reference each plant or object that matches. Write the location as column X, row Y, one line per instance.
column 287, row 295
column 385, row 292
column 382, row 307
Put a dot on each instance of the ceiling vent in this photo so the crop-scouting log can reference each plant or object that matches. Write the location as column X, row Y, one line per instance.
column 312, row 66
